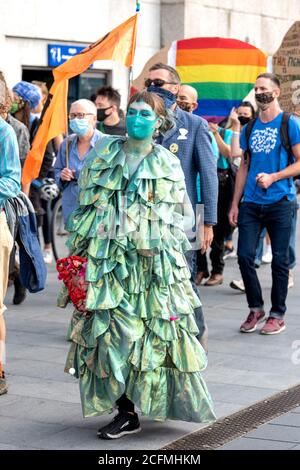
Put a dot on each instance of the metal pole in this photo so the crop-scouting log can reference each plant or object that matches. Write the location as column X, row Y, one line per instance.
column 67, row 133
column 130, row 80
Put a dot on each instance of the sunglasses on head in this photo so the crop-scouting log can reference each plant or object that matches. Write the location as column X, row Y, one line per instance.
column 157, row 82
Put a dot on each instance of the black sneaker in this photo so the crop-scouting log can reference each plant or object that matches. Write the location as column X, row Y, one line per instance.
column 123, row 423
column 20, row 292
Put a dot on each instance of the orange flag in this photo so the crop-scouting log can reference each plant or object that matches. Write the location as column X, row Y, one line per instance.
column 118, row 45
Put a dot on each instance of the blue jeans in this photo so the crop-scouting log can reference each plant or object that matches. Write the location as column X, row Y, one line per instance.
column 292, row 246
column 260, row 247
column 277, row 219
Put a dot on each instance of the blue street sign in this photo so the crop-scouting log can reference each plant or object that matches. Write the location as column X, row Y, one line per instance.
column 58, row 53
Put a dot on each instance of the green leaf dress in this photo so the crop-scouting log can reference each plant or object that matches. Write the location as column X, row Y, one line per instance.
column 139, row 337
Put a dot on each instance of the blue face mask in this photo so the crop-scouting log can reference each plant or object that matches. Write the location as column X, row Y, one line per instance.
column 80, row 126
column 168, row 97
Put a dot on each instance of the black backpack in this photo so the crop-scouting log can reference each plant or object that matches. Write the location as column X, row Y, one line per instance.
column 284, row 138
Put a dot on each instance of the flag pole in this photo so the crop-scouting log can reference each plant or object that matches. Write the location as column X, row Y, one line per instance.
column 67, row 129
column 67, row 146
column 130, row 80
column 130, row 70
column 67, row 149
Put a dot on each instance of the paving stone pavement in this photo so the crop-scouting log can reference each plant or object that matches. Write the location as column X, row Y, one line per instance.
column 42, row 409
column 282, row 433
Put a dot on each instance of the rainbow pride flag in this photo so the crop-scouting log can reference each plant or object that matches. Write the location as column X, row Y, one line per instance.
column 222, row 70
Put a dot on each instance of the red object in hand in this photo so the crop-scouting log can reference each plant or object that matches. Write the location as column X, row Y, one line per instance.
column 71, row 271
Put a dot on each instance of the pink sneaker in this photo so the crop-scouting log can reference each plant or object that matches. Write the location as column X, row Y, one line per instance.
column 251, row 323
column 273, row 326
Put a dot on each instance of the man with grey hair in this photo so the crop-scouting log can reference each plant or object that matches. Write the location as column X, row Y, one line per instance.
column 82, row 121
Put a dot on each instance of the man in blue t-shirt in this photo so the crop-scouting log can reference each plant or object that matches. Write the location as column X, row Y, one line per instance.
column 265, row 184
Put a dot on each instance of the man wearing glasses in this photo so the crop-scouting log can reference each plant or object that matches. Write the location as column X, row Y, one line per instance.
column 190, row 141
column 73, row 150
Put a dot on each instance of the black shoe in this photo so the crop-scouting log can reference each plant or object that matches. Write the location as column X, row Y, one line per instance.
column 20, row 292
column 123, row 423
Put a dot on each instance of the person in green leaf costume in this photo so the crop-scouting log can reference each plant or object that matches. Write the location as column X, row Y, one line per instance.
column 135, row 345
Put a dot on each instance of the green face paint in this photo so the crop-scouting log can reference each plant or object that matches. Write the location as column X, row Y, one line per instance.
column 140, row 121
column 14, row 107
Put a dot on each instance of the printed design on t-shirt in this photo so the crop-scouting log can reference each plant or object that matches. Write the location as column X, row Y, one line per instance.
column 264, row 140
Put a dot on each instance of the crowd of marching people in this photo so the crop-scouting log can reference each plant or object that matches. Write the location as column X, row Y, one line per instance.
column 143, row 322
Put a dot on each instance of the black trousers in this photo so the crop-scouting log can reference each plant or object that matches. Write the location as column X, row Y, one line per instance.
column 222, row 229
column 124, row 404
column 46, row 205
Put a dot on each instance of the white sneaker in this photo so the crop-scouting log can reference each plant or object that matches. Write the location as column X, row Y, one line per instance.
column 238, row 285
column 48, row 257
column 291, row 279
column 229, row 253
column 267, row 257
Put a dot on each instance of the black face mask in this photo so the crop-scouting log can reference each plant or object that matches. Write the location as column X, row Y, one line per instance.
column 185, row 106
column 101, row 115
column 264, row 98
column 244, row 120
